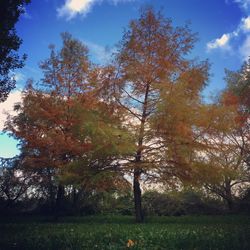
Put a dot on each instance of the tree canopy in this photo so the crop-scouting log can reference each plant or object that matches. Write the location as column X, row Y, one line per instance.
column 10, row 11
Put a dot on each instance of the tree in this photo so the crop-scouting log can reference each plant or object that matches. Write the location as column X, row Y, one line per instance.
column 227, row 173
column 238, row 84
column 210, row 142
column 64, row 127
column 238, row 90
column 10, row 11
column 228, row 154
column 149, row 62
column 16, row 183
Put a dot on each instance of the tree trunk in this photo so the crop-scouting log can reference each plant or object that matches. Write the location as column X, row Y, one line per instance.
column 229, row 197
column 51, row 197
column 75, row 197
column 75, row 201
column 138, row 171
column 137, row 197
column 59, row 199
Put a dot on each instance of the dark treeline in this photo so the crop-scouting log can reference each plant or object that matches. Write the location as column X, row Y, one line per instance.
column 36, row 193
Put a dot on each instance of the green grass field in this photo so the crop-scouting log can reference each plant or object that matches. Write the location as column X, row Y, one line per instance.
column 120, row 232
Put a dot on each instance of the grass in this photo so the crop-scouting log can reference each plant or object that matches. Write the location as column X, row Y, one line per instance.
column 120, row 232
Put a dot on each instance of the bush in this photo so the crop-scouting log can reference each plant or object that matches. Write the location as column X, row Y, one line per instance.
column 187, row 202
column 155, row 203
column 244, row 202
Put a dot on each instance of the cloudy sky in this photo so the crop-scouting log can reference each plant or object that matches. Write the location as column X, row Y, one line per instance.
column 223, row 28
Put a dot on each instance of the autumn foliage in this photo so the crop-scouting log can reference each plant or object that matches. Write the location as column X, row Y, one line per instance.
column 141, row 118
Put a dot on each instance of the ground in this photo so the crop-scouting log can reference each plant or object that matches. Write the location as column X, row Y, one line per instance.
column 120, row 232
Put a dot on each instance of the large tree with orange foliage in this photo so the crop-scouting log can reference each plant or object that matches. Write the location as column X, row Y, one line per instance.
column 62, row 124
column 150, row 62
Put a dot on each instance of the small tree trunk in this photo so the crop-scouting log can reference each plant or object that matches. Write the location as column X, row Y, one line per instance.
column 51, row 198
column 138, row 171
column 229, row 197
column 75, row 197
column 137, row 197
column 75, row 200
column 59, row 199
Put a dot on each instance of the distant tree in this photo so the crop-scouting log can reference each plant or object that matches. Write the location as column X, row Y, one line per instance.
column 227, row 174
column 206, row 144
column 15, row 182
column 10, row 11
column 218, row 154
column 149, row 62
column 238, row 84
column 238, row 90
column 228, row 155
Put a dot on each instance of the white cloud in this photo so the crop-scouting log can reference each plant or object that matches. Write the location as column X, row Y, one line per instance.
column 245, row 24
column 7, row 106
column 222, row 42
column 101, row 54
column 72, row 8
column 242, row 31
column 245, row 48
column 245, row 4
column 18, row 76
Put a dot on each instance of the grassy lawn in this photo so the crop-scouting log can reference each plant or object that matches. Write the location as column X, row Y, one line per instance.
column 120, row 232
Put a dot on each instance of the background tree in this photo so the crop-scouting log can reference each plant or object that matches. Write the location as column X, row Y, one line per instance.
column 64, row 128
column 228, row 154
column 227, row 173
column 10, row 11
column 238, row 84
column 238, row 91
column 16, row 183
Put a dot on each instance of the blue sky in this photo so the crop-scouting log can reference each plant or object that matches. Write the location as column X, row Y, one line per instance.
column 223, row 28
